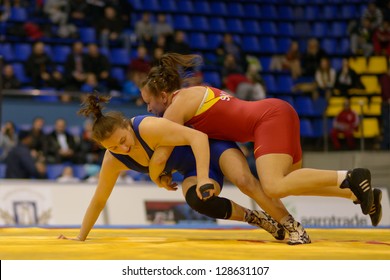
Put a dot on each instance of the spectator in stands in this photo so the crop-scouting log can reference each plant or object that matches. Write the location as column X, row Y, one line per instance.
column 75, row 67
column 162, row 27
column 325, row 77
column 361, row 38
column 290, row 61
column 179, row 43
column 39, row 141
column 346, row 79
column 111, row 29
column 229, row 46
column 8, row 139
column 10, row 81
column 156, row 56
column 230, row 66
column 345, row 123
column 384, row 82
column 130, row 88
column 373, row 14
column 20, row 164
column 90, row 151
column 78, row 10
column 91, row 84
column 61, row 145
column 144, row 29
column 141, row 63
column 124, row 8
column 40, row 67
column 310, row 60
column 99, row 64
column 381, row 39
column 58, row 12
column 67, row 176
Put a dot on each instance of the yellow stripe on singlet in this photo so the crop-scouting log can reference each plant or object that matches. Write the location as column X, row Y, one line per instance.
column 208, row 101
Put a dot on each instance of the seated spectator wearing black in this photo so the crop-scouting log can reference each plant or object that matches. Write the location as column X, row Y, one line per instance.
column 40, row 67
column 311, row 58
column 8, row 139
column 20, row 164
column 229, row 47
column 10, row 81
column 75, row 67
column 144, row 30
column 110, row 30
column 179, row 43
column 61, row 145
column 361, row 38
column 99, row 64
column 346, row 79
column 39, row 141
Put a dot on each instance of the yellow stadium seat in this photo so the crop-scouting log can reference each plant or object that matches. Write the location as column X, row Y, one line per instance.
column 335, row 100
column 376, row 99
column 374, row 109
column 377, row 65
column 359, row 64
column 369, row 128
column 359, row 104
column 334, row 109
column 371, row 84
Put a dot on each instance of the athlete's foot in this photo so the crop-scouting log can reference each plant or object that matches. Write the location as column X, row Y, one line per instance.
column 265, row 221
column 358, row 181
column 376, row 210
column 297, row 234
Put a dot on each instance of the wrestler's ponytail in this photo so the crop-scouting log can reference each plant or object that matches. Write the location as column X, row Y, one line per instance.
column 171, row 73
column 103, row 124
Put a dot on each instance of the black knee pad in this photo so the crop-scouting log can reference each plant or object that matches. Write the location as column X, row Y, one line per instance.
column 215, row 207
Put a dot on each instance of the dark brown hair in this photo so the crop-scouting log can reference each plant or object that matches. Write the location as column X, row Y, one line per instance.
column 103, row 124
column 170, row 74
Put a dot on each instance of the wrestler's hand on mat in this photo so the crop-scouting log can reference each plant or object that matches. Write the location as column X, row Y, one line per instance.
column 205, row 190
column 166, row 183
column 67, row 238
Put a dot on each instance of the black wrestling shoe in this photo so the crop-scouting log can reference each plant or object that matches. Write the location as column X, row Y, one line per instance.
column 376, row 210
column 265, row 221
column 358, row 181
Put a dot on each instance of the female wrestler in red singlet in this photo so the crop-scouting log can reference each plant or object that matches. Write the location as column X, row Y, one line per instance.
column 271, row 124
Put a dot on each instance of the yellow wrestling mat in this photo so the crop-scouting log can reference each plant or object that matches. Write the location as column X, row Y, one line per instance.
column 191, row 244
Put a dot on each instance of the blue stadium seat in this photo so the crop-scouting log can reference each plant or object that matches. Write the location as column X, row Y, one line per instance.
column 214, row 40
column 311, row 13
column 319, row 106
column 302, row 29
column 168, row 6
column 344, row 46
column 60, row 53
column 268, row 28
column 219, row 8
column 299, row 13
column 251, row 27
column 270, row 83
column 336, row 63
column 20, row 73
column 54, row 171
column 252, row 10
column 119, row 57
column 200, row 23
column 198, row 41
column 151, row 5
column 217, row 24
column 47, row 98
column 118, row 73
column 202, row 7
column 18, row 14
column 285, row 84
column 22, row 51
column 304, row 106
column 234, row 25
column 287, row 98
column 265, row 62
column 285, row 12
column 318, row 127
column 283, row 45
column 79, row 171
column 348, row 12
column 235, row 9
column 320, row 29
column 6, row 52
column 250, row 44
column 330, row 46
column 329, row 12
column 2, row 170
column 338, row 29
column 306, row 128
column 286, row 29
column 212, row 78
column 268, row 45
column 182, row 22
column 87, row 34
column 185, row 7
column 268, row 12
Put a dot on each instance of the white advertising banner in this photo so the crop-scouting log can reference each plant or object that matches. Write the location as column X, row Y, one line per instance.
column 60, row 204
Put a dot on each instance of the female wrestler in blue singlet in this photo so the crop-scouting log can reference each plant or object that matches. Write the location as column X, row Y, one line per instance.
column 130, row 145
